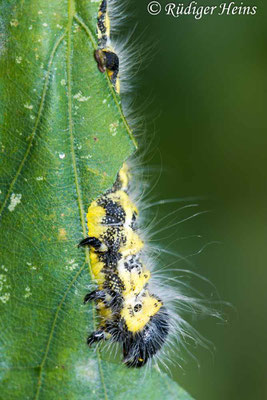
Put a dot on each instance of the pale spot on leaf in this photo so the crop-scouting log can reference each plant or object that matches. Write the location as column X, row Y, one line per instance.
column 28, row 106
column 62, row 234
column 79, row 97
column 113, row 128
column 14, row 22
column 14, row 201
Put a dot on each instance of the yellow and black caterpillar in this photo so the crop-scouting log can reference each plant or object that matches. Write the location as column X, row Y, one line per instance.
column 105, row 56
column 129, row 312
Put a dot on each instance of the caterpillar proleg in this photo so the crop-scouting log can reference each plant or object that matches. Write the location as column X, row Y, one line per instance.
column 132, row 310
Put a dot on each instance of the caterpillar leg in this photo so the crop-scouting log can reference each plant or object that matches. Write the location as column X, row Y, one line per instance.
column 91, row 241
column 95, row 295
column 96, row 337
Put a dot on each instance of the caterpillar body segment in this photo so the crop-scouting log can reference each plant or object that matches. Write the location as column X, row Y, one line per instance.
column 129, row 312
column 103, row 25
column 105, row 56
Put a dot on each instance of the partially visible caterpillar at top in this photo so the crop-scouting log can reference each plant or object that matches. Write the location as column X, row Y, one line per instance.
column 105, row 55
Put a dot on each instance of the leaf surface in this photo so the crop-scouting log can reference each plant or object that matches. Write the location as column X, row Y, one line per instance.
column 63, row 140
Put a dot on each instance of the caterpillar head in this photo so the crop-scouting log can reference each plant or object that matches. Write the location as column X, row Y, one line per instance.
column 143, row 345
column 147, row 324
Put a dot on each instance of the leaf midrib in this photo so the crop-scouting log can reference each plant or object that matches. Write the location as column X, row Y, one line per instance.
column 71, row 12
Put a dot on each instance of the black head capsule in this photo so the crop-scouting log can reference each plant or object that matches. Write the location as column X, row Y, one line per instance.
column 143, row 345
column 107, row 60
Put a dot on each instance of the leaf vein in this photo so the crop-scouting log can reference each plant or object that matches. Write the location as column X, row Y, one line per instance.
column 41, row 106
column 78, row 190
column 41, row 367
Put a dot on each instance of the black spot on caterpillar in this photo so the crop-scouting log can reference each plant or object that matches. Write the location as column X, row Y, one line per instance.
column 129, row 312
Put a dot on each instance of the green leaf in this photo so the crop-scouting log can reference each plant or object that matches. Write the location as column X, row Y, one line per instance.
column 63, row 140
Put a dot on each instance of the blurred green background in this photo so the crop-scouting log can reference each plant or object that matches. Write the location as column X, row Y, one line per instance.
column 204, row 96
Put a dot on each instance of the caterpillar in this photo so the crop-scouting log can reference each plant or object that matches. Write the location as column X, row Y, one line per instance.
column 105, row 56
column 130, row 313
column 130, row 307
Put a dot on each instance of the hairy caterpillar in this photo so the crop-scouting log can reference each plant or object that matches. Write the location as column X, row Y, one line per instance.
column 131, row 310
column 105, row 56
column 130, row 313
